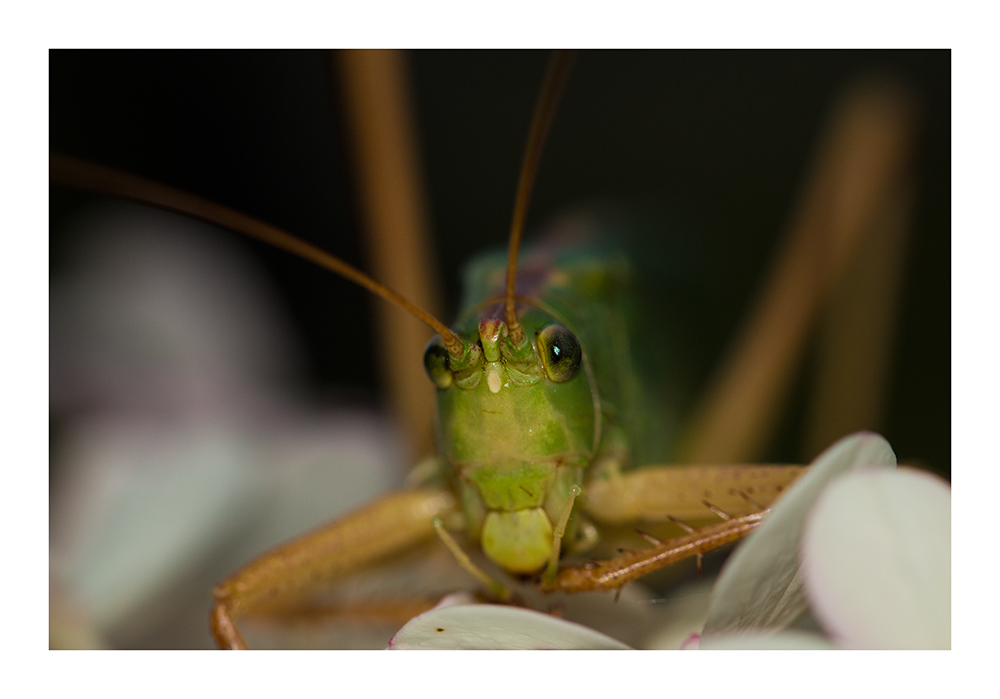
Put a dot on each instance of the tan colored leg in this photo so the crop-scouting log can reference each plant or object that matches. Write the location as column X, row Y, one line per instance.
column 375, row 611
column 612, row 574
column 385, row 526
column 657, row 493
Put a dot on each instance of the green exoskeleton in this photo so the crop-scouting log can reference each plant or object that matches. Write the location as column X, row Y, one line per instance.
column 549, row 428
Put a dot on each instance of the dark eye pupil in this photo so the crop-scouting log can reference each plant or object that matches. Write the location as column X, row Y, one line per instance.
column 560, row 352
column 436, row 364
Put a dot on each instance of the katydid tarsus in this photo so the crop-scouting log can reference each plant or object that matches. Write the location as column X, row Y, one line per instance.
column 385, row 526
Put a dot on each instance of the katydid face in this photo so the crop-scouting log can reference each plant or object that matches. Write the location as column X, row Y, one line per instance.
column 518, row 430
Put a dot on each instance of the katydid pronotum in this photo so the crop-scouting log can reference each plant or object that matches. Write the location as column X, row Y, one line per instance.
column 545, row 162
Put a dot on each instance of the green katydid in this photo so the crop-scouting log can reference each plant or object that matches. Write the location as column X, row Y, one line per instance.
column 373, row 535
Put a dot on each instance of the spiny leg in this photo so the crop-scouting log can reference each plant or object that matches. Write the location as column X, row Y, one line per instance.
column 670, row 493
column 659, row 493
column 686, row 527
column 385, row 526
column 612, row 574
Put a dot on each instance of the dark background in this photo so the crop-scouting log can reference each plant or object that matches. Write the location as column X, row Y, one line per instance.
column 724, row 137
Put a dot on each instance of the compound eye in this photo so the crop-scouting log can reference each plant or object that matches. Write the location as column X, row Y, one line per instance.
column 560, row 352
column 436, row 363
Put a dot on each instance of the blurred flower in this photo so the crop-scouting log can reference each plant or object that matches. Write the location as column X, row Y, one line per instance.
column 180, row 452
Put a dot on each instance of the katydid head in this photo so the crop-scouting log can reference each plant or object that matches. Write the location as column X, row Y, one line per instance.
column 517, row 429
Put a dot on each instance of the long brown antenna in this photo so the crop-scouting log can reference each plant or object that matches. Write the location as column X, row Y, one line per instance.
column 73, row 172
column 552, row 87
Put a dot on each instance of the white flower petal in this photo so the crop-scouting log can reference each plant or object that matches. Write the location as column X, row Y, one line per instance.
column 692, row 642
column 880, row 577
column 760, row 586
column 493, row 626
column 785, row 640
column 684, row 612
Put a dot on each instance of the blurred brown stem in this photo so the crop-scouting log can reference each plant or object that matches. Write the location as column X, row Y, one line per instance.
column 859, row 164
column 856, row 337
column 383, row 135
